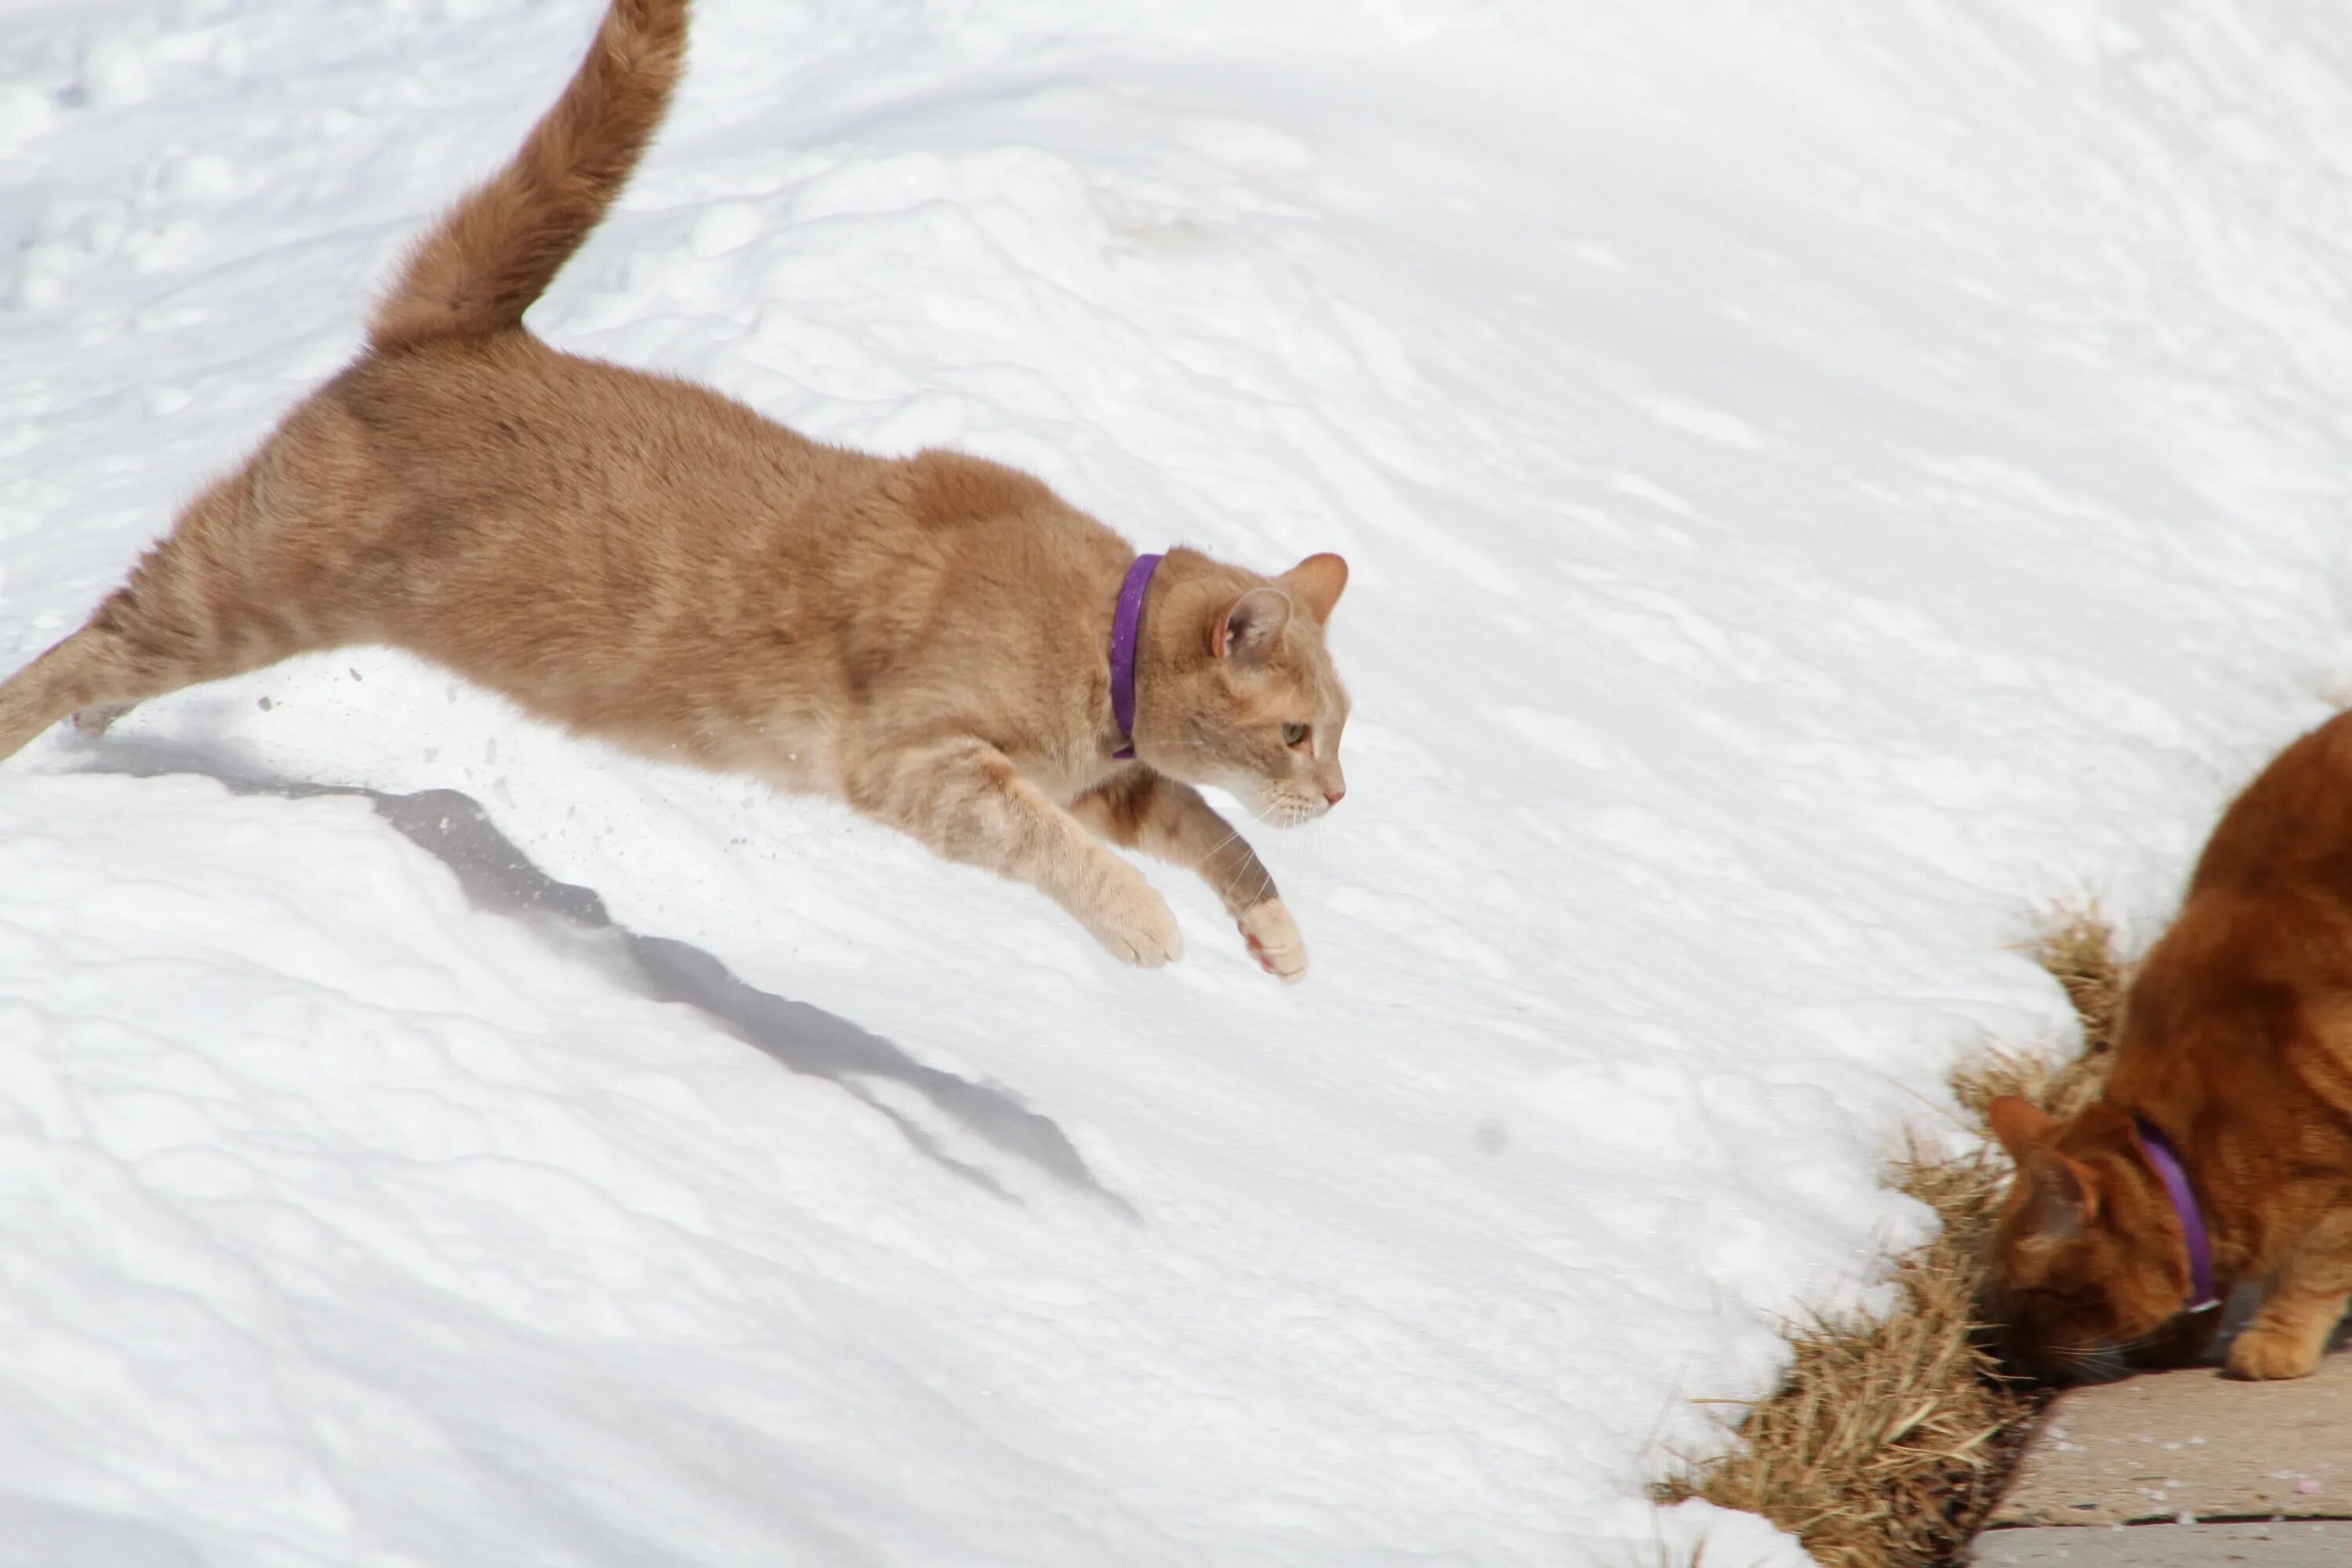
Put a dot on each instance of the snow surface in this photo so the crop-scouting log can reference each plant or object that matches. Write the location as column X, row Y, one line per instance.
column 1819, row 478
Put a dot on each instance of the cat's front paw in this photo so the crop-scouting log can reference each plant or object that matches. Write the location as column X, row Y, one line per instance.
column 1274, row 940
column 2262, row 1353
column 1134, row 924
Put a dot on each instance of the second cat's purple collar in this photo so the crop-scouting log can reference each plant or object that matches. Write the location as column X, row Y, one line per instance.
column 2161, row 1154
column 1125, row 629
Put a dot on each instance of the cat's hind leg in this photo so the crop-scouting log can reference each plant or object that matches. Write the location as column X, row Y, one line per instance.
column 61, row 680
column 190, row 613
column 966, row 800
column 96, row 676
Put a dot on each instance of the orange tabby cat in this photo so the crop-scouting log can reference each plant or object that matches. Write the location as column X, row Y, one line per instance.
column 929, row 638
column 2235, row 1063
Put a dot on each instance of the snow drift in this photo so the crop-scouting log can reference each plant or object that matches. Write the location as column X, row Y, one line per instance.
column 1818, row 480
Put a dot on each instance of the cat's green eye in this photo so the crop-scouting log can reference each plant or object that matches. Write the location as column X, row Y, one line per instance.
column 1293, row 734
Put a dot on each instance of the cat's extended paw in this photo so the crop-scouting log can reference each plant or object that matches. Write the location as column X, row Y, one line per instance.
column 1274, row 940
column 1134, row 924
column 2265, row 1353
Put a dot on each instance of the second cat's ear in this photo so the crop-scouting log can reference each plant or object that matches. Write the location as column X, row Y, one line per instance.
column 2019, row 1124
column 2061, row 1196
column 1250, row 625
column 1317, row 584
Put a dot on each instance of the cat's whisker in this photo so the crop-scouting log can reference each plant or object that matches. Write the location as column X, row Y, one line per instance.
column 1232, row 836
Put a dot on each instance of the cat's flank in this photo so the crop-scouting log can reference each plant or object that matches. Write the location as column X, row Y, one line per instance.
column 929, row 638
column 2234, row 1074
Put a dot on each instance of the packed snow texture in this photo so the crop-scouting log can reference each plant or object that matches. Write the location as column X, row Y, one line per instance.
column 1819, row 478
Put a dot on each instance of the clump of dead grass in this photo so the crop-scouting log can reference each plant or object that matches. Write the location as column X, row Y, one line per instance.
column 1890, row 1440
column 2076, row 943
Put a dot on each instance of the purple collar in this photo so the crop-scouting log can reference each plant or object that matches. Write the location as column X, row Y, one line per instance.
column 1124, row 630
column 2166, row 1161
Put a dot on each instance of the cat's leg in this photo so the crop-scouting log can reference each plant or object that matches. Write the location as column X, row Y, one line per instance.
column 1170, row 820
column 97, row 675
column 187, row 616
column 65, row 679
column 966, row 800
column 119, row 659
column 2304, row 1302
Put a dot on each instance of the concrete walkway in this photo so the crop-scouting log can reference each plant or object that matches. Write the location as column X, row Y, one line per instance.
column 2183, row 1469
column 2289, row 1544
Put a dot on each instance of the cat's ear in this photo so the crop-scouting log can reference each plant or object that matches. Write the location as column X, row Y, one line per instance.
column 1317, row 584
column 2061, row 1196
column 1250, row 625
column 2019, row 1124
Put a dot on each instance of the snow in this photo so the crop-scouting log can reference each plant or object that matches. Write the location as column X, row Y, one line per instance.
column 1819, row 480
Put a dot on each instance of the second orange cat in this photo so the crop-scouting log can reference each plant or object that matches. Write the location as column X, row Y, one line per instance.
column 2222, row 1151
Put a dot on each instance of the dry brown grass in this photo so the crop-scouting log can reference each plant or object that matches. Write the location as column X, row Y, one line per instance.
column 1891, row 1438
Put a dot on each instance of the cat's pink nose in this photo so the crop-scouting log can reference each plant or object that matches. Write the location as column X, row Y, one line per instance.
column 1335, row 795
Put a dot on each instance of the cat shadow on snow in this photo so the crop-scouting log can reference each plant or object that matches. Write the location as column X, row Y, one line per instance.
column 499, row 878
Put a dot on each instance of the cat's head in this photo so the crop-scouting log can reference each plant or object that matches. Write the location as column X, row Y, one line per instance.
column 2087, row 1256
column 1238, row 689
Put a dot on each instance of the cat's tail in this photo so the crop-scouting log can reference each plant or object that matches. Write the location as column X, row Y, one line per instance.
column 495, row 252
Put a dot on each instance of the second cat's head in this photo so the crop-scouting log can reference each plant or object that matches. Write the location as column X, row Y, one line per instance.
column 2088, row 1257
column 1238, row 689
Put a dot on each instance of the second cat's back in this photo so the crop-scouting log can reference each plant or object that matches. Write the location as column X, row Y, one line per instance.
column 2292, row 823
column 2243, row 1008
